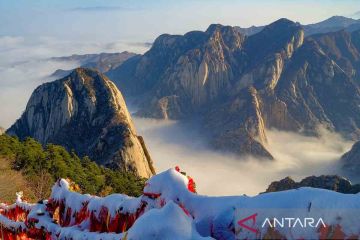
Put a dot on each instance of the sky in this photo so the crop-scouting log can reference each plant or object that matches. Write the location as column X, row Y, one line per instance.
column 32, row 31
column 143, row 20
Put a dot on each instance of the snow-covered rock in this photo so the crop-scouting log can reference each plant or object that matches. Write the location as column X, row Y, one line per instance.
column 170, row 208
column 178, row 225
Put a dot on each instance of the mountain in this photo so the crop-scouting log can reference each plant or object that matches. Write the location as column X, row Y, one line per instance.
column 102, row 62
column 330, row 182
column 85, row 112
column 332, row 24
column 238, row 86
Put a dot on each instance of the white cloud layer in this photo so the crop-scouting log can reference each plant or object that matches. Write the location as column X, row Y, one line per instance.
column 172, row 143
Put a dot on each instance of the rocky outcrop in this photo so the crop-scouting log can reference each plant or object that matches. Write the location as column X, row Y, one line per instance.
column 330, row 182
column 241, row 85
column 86, row 112
column 2, row 130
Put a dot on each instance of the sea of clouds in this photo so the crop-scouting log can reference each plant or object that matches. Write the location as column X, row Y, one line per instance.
column 173, row 143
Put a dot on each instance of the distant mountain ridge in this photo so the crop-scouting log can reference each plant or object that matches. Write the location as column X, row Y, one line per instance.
column 241, row 85
column 85, row 112
column 102, row 61
column 332, row 24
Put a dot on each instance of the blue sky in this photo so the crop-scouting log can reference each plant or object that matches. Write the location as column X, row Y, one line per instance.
column 143, row 20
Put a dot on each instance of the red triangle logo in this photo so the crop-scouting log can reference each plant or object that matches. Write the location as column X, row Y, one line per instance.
column 244, row 223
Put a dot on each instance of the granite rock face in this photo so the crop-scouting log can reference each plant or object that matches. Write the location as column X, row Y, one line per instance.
column 86, row 112
column 242, row 85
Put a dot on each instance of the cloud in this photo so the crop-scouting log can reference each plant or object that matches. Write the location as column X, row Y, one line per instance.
column 355, row 15
column 103, row 9
column 7, row 42
column 137, row 47
column 173, row 143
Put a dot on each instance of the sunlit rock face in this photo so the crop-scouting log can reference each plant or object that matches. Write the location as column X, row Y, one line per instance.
column 240, row 85
column 86, row 112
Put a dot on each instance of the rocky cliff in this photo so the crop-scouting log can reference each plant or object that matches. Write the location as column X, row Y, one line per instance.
column 241, row 85
column 86, row 112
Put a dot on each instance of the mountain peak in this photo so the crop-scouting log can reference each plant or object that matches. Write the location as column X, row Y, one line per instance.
column 86, row 112
column 282, row 25
column 217, row 27
column 340, row 19
column 334, row 22
column 282, row 35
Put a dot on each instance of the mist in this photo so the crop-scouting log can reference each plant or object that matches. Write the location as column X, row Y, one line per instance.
column 174, row 143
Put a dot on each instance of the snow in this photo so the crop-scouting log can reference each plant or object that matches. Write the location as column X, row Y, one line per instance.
column 11, row 224
column 115, row 203
column 333, row 207
column 168, row 210
column 73, row 232
column 60, row 191
column 178, row 226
